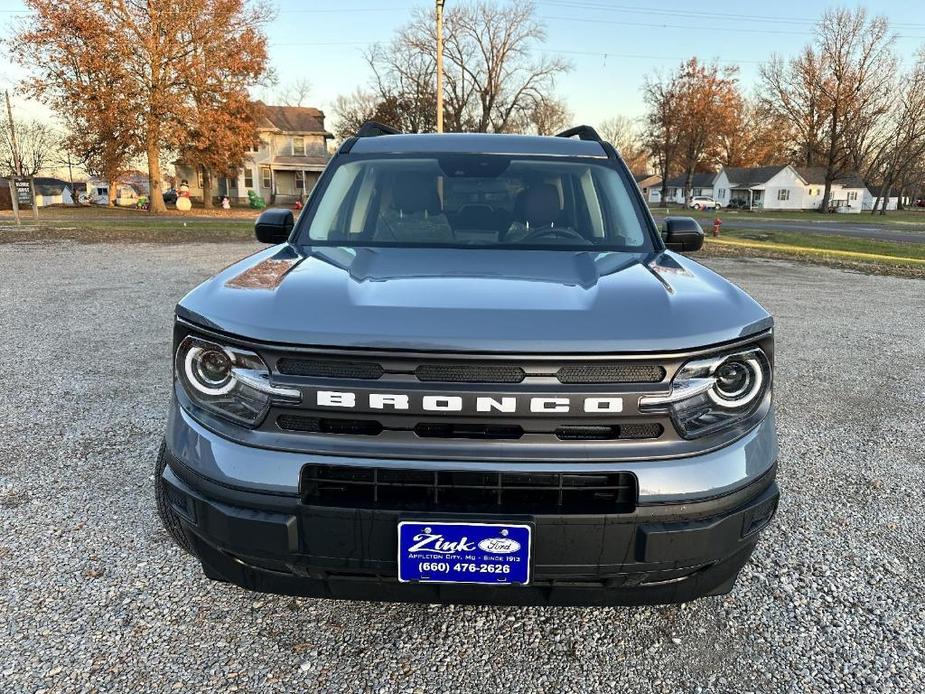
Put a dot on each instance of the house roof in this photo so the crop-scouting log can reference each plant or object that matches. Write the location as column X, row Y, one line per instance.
column 49, row 186
column 747, row 177
column 294, row 119
column 639, row 178
column 700, row 180
column 815, row 175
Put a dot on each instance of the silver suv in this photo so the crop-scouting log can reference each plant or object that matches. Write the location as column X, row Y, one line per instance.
column 473, row 371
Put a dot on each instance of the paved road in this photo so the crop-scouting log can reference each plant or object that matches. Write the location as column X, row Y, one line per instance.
column 911, row 233
column 95, row 598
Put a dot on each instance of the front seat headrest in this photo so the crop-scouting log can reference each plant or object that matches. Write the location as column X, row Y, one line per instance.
column 541, row 205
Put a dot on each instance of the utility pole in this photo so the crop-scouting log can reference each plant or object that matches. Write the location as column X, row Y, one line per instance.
column 17, row 160
column 439, row 66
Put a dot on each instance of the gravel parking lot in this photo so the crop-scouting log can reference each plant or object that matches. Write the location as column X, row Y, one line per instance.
column 94, row 597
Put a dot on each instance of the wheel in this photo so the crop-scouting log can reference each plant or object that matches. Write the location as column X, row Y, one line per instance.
column 168, row 516
column 697, row 206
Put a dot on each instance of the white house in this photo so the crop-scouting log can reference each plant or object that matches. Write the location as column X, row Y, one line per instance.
column 650, row 185
column 786, row 188
column 52, row 191
column 701, row 184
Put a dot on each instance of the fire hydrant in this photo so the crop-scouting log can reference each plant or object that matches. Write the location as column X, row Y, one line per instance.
column 717, row 223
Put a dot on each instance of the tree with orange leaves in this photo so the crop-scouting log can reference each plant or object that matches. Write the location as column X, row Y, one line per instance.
column 142, row 67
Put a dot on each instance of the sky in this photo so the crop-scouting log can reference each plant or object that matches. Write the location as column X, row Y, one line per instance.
column 612, row 45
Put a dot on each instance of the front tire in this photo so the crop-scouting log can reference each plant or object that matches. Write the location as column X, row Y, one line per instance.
column 168, row 516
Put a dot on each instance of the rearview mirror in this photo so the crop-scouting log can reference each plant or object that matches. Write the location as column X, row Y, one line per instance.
column 274, row 226
column 682, row 234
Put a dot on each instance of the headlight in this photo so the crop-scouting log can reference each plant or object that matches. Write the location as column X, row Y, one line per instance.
column 228, row 381
column 715, row 393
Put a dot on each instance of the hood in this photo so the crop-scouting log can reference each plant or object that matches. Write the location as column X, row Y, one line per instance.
column 475, row 300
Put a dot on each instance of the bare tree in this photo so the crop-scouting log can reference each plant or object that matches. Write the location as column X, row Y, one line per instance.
column 550, row 116
column 294, row 93
column 38, row 144
column 662, row 132
column 495, row 77
column 836, row 93
column 901, row 155
column 792, row 90
column 624, row 134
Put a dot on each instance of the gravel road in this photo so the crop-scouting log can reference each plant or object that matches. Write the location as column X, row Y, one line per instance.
column 94, row 597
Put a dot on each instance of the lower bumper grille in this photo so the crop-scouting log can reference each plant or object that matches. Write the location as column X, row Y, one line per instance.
column 469, row 491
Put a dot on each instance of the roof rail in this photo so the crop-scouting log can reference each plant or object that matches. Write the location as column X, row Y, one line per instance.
column 373, row 129
column 584, row 132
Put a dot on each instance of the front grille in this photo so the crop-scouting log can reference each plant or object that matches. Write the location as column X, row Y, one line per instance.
column 445, row 430
column 469, row 373
column 445, row 406
column 609, row 432
column 329, row 425
column 330, row 368
column 469, row 491
column 611, row 373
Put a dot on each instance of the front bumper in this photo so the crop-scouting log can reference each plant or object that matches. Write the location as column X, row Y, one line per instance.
column 270, row 541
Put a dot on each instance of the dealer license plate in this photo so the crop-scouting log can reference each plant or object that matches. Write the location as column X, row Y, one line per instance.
column 493, row 553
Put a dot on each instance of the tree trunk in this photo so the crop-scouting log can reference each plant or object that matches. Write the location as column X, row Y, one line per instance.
column 688, row 183
column 155, row 194
column 899, row 201
column 112, row 193
column 827, row 193
column 886, row 198
column 206, row 188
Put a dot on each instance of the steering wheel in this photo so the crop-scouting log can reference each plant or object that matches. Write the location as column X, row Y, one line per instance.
column 555, row 232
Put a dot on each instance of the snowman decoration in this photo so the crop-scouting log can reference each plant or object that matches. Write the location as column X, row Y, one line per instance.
column 184, row 204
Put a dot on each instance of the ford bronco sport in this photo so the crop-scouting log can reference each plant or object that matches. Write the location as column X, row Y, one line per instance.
column 473, row 371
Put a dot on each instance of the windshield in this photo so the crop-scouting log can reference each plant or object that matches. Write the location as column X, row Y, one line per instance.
column 477, row 201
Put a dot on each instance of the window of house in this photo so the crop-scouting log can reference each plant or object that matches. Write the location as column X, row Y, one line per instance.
column 853, row 195
column 267, row 178
column 299, row 180
column 721, row 193
column 298, row 146
column 783, row 194
column 248, row 178
column 199, row 178
column 697, row 191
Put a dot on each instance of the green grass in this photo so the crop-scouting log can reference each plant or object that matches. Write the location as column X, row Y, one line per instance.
column 102, row 224
column 828, row 242
column 904, row 218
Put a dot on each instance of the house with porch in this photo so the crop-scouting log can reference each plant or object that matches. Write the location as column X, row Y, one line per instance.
column 701, row 184
column 283, row 168
column 785, row 187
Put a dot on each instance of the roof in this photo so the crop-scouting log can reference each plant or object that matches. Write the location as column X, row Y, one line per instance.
column 815, row 175
column 292, row 119
column 700, row 180
column 639, row 178
column 747, row 177
column 49, row 186
column 479, row 143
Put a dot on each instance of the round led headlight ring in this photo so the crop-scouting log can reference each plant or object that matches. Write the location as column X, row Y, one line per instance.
column 208, row 370
column 738, row 380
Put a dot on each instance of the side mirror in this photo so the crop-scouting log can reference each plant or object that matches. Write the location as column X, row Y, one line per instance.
column 274, row 226
column 682, row 234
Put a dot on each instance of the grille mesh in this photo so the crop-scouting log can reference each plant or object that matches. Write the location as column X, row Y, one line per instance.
column 471, row 491
column 330, row 368
column 611, row 373
column 324, row 425
column 469, row 373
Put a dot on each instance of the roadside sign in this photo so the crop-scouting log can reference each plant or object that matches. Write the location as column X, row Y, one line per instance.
column 22, row 189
